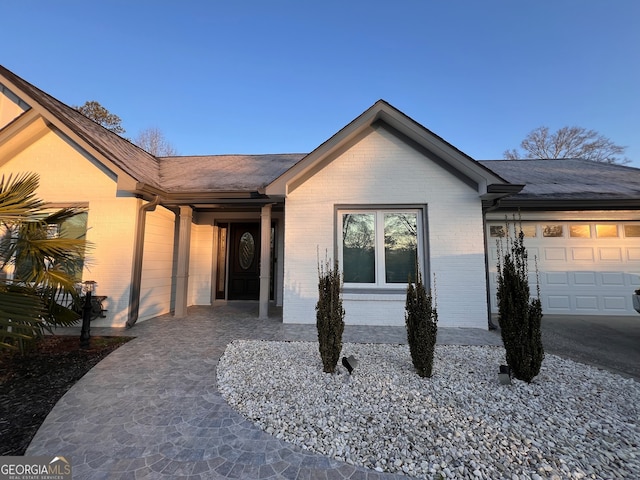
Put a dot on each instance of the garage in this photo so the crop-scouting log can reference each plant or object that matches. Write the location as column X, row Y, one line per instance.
column 585, row 267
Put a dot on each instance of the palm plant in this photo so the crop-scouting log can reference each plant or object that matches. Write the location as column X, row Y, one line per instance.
column 43, row 266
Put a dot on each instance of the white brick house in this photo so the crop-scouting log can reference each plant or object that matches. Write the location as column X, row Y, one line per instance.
column 173, row 232
column 381, row 165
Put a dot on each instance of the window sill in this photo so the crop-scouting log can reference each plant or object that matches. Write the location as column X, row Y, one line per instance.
column 369, row 294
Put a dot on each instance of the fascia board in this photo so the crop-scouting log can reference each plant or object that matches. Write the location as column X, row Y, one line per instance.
column 513, row 203
column 282, row 184
column 124, row 180
column 20, row 133
column 466, row 165
column 382, row 111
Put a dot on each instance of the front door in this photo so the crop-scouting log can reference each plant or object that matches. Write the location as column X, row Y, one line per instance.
column 244, row 262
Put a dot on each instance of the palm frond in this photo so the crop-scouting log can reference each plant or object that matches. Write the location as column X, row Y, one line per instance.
column 17, row 196
column 22, row 316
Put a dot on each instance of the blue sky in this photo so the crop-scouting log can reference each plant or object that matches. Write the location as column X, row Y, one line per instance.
column 282, row 76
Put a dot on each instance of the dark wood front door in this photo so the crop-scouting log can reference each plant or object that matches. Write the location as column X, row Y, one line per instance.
column 244, row 262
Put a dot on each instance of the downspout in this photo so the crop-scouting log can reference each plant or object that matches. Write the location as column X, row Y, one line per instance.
column 494, row 206
column 138, row 249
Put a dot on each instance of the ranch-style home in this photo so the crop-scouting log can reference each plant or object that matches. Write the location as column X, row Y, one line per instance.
column 383, row 191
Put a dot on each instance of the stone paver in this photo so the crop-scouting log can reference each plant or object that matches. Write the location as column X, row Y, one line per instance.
column 151, row 409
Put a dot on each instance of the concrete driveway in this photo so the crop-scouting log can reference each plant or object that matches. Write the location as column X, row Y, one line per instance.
column 611, row 342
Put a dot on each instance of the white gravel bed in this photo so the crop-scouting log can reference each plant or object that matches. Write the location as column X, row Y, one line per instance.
column 573, row 421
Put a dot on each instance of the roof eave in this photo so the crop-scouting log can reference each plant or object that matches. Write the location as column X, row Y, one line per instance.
column 204, row 197
column 514, row 203
column 382, row 112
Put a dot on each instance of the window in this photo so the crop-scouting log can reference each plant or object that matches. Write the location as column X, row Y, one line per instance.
column 607, row 230
column 632, row 230
column 500, row 231
column 497, row 231
column 529, row 230
column 554, row 230
column 379, row 247
column 580, row 231
column 74, row 227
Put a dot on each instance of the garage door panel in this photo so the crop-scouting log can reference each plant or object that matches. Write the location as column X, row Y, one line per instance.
column 555, row 254
column 615, row 302
column 587, row 303
column 583, row 273
column 582, row 254
column 533, row 253
column 584, row 278
column 610, row 254
column 612, row 278
column 559, row 302
column 633, row 254
column 556, row 278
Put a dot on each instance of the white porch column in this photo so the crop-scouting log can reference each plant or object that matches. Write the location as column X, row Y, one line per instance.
column 182, row 270
column 265, row 260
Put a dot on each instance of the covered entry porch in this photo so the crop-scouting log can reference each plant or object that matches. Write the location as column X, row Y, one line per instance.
column 222, row 251
column 246, row 244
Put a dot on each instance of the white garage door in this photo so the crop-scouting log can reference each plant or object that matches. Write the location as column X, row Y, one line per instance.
column 585, row 268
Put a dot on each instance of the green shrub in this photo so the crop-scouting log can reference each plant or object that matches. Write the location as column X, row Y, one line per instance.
column 520, row 316
column 329, row 315
column 421, row 319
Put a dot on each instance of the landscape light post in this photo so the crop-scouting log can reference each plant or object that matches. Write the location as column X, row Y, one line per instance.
column 85, row 333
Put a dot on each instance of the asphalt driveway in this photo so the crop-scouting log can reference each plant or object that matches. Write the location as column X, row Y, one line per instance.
column 608, row 342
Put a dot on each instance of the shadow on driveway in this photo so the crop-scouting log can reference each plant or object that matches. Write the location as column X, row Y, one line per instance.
column 608, row 342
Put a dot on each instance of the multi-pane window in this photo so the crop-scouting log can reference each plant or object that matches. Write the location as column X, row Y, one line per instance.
column 379, row 247
column 74, row 227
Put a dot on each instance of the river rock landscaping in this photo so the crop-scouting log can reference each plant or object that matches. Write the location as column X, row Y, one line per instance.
column 573, row 421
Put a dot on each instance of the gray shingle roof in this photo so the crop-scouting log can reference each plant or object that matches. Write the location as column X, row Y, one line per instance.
column 569, row 179
column 548, row 180
column 219, row 173
column 136, row 162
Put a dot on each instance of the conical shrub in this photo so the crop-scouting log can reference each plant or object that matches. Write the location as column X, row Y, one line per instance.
column 329, row 315
column 520, row 316
column 421, row 318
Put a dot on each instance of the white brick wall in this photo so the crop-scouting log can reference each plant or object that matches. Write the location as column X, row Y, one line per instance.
column 67, row 176
column 156, row 286
column 381, row 170
column 200, row 264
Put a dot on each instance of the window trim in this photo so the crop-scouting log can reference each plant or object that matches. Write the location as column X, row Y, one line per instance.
column 423, row 245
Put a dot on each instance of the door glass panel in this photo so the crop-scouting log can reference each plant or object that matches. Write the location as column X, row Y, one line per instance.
column 632, row 230
column 552, row 231
column 497, row 231
column 529, row 230
column 246, row 251
column 580, row 231
column 607, row 231
column 400, row 246
column 358, row 247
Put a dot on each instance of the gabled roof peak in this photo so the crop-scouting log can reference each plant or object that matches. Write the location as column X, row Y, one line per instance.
column 140, row 165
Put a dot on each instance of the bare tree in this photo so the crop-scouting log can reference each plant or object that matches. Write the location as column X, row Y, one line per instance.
column 153, row 141
column 101, row 115
column 569, row 142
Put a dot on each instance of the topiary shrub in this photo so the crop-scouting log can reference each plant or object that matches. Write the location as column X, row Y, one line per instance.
column 519, row 315
column 421, row 318
column 329, row 315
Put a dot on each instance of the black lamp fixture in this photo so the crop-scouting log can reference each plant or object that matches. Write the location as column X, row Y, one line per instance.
column 349, row 363
column 85, row 333
column 504, row 375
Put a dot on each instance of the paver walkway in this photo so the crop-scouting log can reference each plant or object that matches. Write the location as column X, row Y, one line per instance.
column 151, row 409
